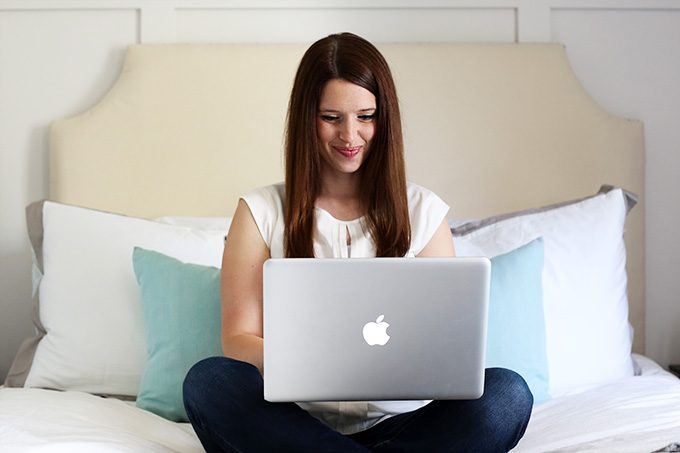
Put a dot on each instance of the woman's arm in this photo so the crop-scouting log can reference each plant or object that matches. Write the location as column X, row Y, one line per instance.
column 241, row 288
column 441, row 244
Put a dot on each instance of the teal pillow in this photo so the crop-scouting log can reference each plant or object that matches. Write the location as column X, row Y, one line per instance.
column 516, row 329
column 181, row 307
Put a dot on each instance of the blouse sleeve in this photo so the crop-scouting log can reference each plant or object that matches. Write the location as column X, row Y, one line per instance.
column 266, row 206
column 426, row 211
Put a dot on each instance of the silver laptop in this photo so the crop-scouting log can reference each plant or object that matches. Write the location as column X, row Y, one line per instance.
column 375, row 328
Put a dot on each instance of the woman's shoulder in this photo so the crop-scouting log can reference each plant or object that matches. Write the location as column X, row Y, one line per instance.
column 418, row 195
column 426, row 212
column 272, row 191
column 270, row 196
column 426, row 209
column 266, row 206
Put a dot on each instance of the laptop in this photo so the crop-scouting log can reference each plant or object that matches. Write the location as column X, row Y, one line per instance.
column 369, row 329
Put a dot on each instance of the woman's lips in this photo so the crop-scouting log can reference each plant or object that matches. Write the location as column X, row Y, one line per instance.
column 348, row 152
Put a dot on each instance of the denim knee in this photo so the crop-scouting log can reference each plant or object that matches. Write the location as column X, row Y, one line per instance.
column 197, row 381
column 512, row 402
column 511, row 388
column 221, row 375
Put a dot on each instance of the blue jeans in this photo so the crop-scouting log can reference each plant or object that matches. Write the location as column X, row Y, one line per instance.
column 224, row 400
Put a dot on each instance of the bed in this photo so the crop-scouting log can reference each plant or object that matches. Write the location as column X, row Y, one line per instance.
column 504, row 133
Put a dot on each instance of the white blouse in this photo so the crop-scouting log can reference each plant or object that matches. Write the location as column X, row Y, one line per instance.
column 426, row 212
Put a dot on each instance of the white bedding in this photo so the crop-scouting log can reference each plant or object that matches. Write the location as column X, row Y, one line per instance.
column 637, row 414
column 35, row 420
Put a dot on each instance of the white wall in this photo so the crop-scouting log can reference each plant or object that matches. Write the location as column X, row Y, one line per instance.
column 57, row 57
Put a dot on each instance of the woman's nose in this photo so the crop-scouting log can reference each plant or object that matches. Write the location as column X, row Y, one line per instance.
column 347, row 132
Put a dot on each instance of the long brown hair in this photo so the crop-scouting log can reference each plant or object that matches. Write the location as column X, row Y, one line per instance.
column 383, row 176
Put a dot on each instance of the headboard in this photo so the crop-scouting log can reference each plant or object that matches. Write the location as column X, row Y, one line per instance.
column 491, row 128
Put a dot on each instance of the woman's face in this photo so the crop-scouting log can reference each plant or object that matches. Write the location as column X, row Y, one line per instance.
column 345, row 125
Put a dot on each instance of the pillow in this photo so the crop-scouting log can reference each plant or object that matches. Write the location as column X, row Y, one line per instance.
column 181, row 305
column 198, row 223
column 91, row 334
column 516, row 327
column 588, row 337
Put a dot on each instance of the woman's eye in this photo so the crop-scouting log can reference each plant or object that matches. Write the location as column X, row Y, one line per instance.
column 330, row 118
column 366, row 118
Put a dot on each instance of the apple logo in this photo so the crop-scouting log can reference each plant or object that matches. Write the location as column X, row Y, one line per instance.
column 376, row 332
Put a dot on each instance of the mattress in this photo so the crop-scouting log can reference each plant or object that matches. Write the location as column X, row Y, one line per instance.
column 637, row 414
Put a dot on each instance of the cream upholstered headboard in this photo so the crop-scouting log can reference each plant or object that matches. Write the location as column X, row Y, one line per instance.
column 491, row 128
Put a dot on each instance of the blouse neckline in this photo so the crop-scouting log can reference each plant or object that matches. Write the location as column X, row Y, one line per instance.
column 334, row 219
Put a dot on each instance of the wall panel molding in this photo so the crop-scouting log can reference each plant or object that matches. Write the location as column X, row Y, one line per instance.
column 159, row 18
column 158, row 23
column 533, row 22
column 334, row 4
column 377, row 25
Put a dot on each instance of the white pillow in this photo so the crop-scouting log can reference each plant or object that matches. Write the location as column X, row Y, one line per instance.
column 198, row 223
column 89, row 298
column 588, row 336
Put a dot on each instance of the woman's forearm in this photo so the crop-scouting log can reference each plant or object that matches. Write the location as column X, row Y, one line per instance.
column 244, row 347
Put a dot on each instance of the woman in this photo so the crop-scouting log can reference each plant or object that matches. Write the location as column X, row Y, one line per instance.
column 345, row 195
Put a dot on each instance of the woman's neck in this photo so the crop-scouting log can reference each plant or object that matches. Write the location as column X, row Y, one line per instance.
column 340, row 196
column 340, row 186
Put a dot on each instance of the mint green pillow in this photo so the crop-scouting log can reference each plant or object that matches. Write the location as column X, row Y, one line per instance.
column 516, row 329
column 181, row 307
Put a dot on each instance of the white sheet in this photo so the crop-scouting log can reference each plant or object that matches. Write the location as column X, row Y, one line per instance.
column 637, row 414
column 35, row 420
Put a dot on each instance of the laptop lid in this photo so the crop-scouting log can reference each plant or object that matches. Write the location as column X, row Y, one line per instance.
column 375, row 328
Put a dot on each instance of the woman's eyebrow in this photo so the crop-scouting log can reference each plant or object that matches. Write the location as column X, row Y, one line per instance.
column 339, row 111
